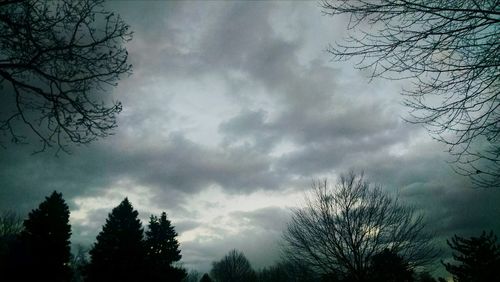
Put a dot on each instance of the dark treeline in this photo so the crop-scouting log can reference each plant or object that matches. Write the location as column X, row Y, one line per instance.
column 38, row 249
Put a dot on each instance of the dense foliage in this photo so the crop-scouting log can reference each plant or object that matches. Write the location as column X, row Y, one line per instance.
column 162, row 251
column 478, row 258
column 46, row 239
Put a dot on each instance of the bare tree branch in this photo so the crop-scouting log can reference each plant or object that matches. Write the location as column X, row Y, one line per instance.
column 451, row 51
column 11, row 225
column 341, row 228
column 57, row 60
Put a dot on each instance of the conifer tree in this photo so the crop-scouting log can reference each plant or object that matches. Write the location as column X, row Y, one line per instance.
column 118, row 254
column 46, row 242
column 478, row 258
column 162, row 250
column 205, row 278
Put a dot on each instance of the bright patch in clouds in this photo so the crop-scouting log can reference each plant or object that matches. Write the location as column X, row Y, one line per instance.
column 233, row 109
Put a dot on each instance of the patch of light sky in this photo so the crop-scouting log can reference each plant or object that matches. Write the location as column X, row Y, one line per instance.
column 195, row 107
column 111, row 198
column 213, row 207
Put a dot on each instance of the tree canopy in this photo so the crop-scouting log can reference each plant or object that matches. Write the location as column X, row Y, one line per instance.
column 340, row 230
column 162, row 251
column 46, row 241
column 388, row 266
column 57, row 60
column 118, row 253
column 478, row 258
column 205, row 278
column 234, row 266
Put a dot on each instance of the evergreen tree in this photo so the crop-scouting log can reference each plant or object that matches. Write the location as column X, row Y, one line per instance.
column 162, row 250
column 205, row 278
column 46, row 242
column 478, row 258
column 118, row 254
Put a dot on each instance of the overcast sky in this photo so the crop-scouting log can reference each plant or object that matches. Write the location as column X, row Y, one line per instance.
column 233, row 109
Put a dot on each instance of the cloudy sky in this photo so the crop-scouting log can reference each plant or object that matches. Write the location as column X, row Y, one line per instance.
column 233, row 109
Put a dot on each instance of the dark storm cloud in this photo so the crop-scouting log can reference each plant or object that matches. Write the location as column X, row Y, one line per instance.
column 325, row 140
column 189, row 167
column 26, row 179
column 329, row 116
column 245, row 43
column 178, row 164
column 455, row 207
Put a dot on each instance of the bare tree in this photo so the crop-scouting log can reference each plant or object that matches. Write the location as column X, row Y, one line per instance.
column 287, row 271
column 233, row 267
column 11, row 225
column 57, row 59
column 340, row 229
column 193, row 276
column 451, row 51
column 78, row 262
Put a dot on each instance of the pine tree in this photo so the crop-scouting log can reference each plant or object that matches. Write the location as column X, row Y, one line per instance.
column 205, row 278
column 46, row 241
column 118, row 254
column 478, row 258
column 162, row 250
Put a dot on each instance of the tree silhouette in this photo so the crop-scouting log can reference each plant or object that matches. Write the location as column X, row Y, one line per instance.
column 424, row 277
column 205, row 278
column 57, row 59
column 118, row 254
column 286, row 271
column 388, row 266
column 451, row 52
column 341, row 228
column 11, row 249
column 79, row 261
column 11, row 226
column 274, row 273
column 478, row 258
column 233, row 267
column 162, row 250
column 46, row 241
column 192, row 276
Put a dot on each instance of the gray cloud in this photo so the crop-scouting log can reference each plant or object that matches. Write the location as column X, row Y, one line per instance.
column 269, row 219
column 284, row 115
column 259, row 239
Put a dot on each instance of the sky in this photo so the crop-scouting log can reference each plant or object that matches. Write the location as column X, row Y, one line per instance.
column 232, row 111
